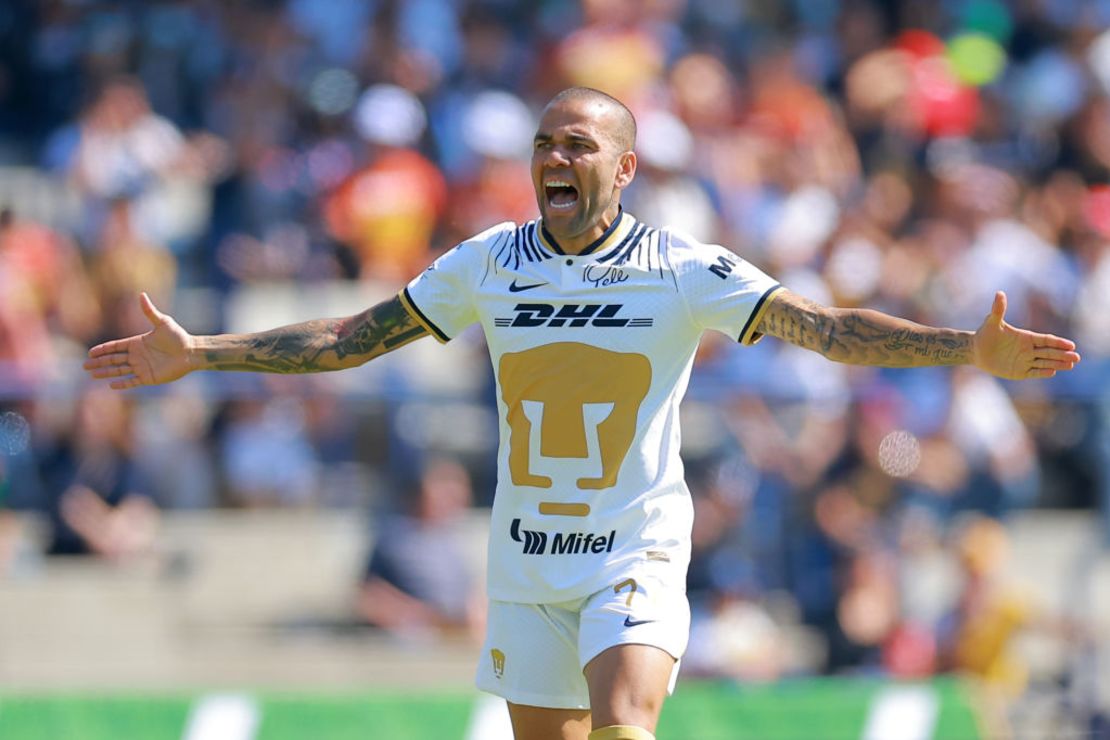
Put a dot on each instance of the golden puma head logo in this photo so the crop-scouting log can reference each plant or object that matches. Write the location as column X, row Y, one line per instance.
column 564, row 377
column 498, row 658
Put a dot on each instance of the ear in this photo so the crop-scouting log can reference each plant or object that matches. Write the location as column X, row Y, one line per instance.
column 626, row 170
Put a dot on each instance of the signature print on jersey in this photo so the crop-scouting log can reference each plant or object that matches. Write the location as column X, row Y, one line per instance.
column 599, row 276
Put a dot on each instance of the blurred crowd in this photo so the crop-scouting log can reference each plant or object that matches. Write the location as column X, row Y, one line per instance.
column 911, row 157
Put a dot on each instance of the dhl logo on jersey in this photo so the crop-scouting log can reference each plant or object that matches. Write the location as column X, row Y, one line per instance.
column 570, row 314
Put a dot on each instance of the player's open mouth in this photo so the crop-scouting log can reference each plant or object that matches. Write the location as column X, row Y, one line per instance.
column 561, row 195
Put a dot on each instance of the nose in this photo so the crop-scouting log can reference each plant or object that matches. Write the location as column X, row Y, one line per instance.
column 556, row 156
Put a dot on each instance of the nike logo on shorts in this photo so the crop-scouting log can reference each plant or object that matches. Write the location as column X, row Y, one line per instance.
column 514, row 288
column 630, row 622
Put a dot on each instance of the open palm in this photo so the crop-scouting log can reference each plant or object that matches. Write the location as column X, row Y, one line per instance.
column 159, row 356
column 1018, row 354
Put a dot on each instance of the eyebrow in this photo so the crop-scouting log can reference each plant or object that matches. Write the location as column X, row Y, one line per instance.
column 543, row 137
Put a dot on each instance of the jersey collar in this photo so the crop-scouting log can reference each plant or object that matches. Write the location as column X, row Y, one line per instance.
column 613, row 236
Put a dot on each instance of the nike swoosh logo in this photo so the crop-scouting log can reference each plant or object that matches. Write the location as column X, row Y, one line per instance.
column 630, row 622
column 514, row 288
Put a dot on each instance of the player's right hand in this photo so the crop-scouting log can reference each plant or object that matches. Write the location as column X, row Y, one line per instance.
column 159, row 356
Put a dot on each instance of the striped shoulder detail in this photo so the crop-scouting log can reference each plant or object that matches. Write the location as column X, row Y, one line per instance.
column 663, row 242
column 523, row 246
column 533, row 251
column 641, row 248
column 497, row 251
column 503, row 249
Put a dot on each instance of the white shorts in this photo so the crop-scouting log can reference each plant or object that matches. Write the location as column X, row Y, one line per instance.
column 534, row 654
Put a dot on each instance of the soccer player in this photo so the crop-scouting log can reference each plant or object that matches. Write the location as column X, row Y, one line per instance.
column 592, row 319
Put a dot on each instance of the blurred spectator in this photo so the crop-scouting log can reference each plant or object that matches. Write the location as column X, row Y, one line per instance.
column 927, row 585
column 496, row 132
column 614, row 50
column 266, row 455
column 990, row 610
column 663, row 193
column 979, row 636
column 25, row 340
column 19, row 486
column 985, row 426
column 9, row 525
column 733, row 633
column 840, row 579
column 389, row 209
column 417, row 581
column 47, row 271
column 97, row 494
column 125, row 151
column 126, row 264
column 9, row 539
column 174, row 437
column 867, row 612
column 737, row 638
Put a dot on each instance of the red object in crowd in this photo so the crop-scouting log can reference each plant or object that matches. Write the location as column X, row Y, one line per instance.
column 1096, row 209
column 910, row 651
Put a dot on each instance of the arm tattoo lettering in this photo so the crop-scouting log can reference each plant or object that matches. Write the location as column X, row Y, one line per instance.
column 863, row 336
column 319, row 345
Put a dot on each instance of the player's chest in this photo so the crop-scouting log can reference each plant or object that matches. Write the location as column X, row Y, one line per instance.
column 568, row 296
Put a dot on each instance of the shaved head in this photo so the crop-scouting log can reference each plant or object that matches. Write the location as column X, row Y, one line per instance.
column 582, row 159
column 623, row 128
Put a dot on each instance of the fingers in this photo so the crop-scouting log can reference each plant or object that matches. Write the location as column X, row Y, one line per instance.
column 110, row 372
column 114, row 346
column 105, row 360
column 1049, row 360
column 1042, row 364
column 1051, row 340
column 155, row 316
column 107, row 364
column 998, row 308
column 1063, row 355
column 124, row 383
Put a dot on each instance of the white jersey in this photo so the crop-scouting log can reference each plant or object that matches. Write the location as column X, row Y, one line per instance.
column 592, row 355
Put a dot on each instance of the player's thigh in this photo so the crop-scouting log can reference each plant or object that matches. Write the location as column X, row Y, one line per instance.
column 628, row 684
column 542, row 723
column 630, row 639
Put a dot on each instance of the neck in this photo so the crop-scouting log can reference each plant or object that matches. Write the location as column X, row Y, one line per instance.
column 578, row 243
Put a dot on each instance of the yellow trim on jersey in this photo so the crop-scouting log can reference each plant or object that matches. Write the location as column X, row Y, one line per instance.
column 623, row 228
column 543, row 240
column 750, row 335
column 419, row 317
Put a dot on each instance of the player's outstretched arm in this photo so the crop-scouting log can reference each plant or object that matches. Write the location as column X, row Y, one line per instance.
column 167, row 352
column 866, row 337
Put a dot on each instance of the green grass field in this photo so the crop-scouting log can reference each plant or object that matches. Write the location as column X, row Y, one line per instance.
column 820, row 709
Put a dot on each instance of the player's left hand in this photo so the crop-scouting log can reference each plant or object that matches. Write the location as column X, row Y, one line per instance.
column 1018, row 354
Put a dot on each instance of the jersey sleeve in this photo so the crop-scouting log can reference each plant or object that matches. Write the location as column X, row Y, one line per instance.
column 722, row 290
column 441, row 298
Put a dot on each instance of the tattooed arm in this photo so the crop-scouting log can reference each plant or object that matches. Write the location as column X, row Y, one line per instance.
column 167, row 352
column 313, row 346
column 866, row 337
